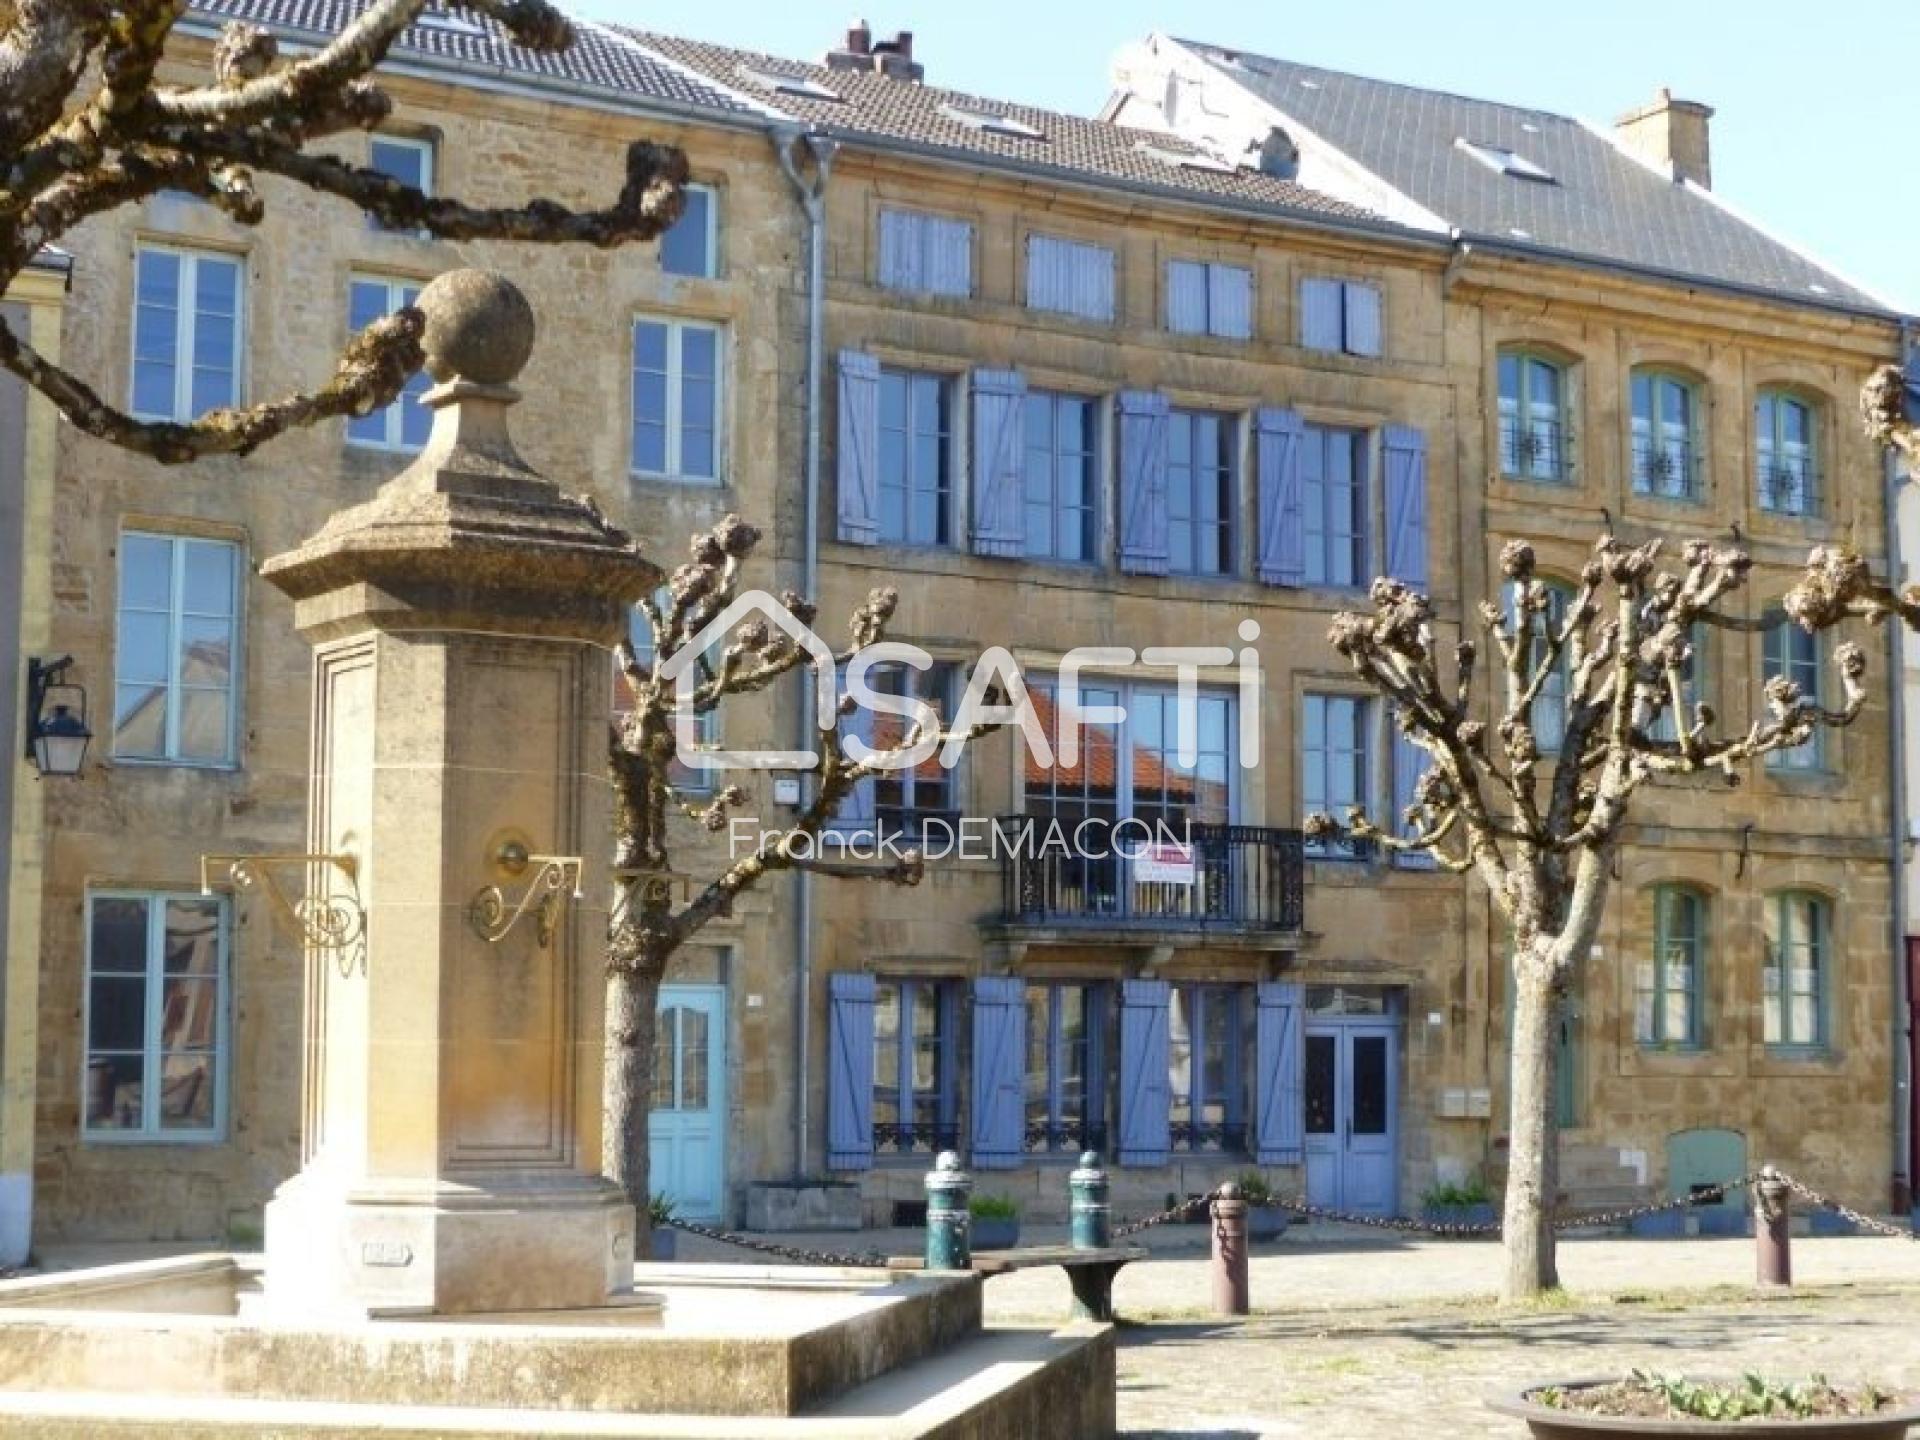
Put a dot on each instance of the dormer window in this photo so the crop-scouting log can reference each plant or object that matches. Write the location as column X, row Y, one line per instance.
column 1503, row 161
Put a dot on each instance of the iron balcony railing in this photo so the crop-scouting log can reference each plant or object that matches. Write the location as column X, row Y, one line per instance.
column 1789, row 487
column 1669, row 469
column 1228, row 877
column 1536, row 449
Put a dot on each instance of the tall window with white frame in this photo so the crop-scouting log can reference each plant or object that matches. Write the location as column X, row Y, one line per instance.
column 678, row 400
column 916, row 1104
column 1666, row 435
column 1334, row 506
column 1693, row 685
column 1066, row 1066
column 1533, row 418
column 1061, row 476
column 1798, row 983
column 1538, row 629
column 409, row 159
column 681, row 775
column 177, row 650
column 1206, row 1065
column 156, row 1017
column 1669, row 984
column 1790, row 651
column 189, row 326
column 1202, row 454
column 1785, row 468
column 692, row 246
column 406, row 423
column 1335, row 763
column 905, row 801
column 916, row 458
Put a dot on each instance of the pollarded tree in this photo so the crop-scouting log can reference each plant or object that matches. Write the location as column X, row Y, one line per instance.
column 1541, row 829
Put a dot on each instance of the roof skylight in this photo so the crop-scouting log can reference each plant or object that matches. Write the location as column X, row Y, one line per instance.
column 438, row 17
column 992, row 124
column 803, row 86
column 1185, row 159
column 1504, row 161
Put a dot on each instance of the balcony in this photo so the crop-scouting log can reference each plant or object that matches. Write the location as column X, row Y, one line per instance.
column 1233, row 884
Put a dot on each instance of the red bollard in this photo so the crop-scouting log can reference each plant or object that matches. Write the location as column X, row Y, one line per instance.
column 1772, row 1215
column 1229, row 1251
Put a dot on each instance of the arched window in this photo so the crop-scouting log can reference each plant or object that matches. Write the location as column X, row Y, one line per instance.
column 1792, row 652
column 1670, row 984
column 1550, row 706
column 1534, row 438
column 1799, row 964
column 1666, row 435
column 1693, row 686
column 1785, row 457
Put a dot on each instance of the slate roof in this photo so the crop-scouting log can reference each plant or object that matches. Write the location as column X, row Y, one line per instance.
column 597, row 59
column 882, row 109
column 1602, row 204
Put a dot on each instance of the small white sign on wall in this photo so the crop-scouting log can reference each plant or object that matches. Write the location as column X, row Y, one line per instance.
column 1168, row 863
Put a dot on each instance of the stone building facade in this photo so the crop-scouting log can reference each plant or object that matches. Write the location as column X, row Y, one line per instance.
column 1064, row 361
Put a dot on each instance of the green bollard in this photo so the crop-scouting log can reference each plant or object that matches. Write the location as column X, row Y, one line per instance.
column 1087, row 1205
column 949, row 1223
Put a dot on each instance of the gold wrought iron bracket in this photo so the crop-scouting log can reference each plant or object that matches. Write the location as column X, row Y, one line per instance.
column 555, row 880
column 331, row 923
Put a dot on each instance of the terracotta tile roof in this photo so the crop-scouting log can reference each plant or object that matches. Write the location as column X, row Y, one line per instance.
column 882, row 108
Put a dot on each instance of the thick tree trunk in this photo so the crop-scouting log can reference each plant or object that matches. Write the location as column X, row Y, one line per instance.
column 1533, row 1137
column 632, row 995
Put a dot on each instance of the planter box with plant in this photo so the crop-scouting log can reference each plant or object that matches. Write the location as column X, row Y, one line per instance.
column 666, row 1239
column 1266, row 1217
column 1646, row 1405
column 996, row 1222
column 1465, row 1203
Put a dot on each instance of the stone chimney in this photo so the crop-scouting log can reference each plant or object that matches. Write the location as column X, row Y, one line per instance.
column 892, row 58
column 1671, row 135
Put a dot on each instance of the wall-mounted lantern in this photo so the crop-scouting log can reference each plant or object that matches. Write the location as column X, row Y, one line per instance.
column 57, row 732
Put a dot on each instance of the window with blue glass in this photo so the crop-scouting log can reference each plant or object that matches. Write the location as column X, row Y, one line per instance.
column 1207, row 1045
column 1061, row 480
column 1335, row 762
column 1333, row 506
column 1669, row 984
column 1784, row 456
column 1202, row 449
column 1794, row 653
column 1693, row 686
column 905, row 800
column 693, row 779
column 692, row 246
column 188, row 325
column 1533, row 423
column 405, row 424
column 916, row 458
column 678, row 400
column 1067, row 1048
column 1798, row 980
column 1666, row 435
column 1537, row 629
column 405, row 158
column 916, row 1095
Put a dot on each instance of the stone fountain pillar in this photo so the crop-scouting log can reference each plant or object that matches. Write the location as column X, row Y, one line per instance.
column 460, row 622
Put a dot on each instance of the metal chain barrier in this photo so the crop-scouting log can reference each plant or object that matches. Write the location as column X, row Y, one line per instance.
column 1865, row 1222
column 799, row 1255
column 1183, row 1211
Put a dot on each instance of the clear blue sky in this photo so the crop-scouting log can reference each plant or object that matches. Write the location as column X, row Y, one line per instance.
column 1817, row 130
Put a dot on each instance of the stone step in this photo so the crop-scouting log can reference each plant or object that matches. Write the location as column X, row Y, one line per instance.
column 1006, row 1381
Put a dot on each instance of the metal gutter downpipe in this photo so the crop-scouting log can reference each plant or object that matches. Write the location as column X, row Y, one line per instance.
column 812, row 195
column 1904, row 1040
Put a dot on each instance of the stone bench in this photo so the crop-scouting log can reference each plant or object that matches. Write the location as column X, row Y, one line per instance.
column 1089, row 1272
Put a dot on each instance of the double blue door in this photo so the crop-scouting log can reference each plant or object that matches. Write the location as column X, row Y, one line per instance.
column 687, row 1122
column 1352, row 1092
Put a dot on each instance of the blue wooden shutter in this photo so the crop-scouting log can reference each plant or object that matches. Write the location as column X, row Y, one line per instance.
column 849, row 1071
column 1406, row 457
column 1363, row 318
column 1143, row 482
column 1186, row 297
column 1146, row 1097
column 1410, row 762
column 858, row 452
column 999, row 453
column 1278, row 438
column 999, row 1072
column 1321, row 315
column 1069, row 277
column 1230, row 301
column 947, row 261
column 902, row 241
column 1280, row 1122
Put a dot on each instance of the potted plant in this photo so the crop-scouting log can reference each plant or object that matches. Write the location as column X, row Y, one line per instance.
column 1463, row 1203
column 996, row 1222
column 1266, row 1217
column 1648, row 1405
column 660, row 1218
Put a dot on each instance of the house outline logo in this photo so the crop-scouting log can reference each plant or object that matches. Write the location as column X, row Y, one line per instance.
column 681, row 669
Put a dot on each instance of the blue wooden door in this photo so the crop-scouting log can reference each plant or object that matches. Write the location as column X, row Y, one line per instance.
column 687, row 1125
column 1352, row 1105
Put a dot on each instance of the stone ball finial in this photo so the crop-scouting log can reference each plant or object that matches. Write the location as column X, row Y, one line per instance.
column 479, row 328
